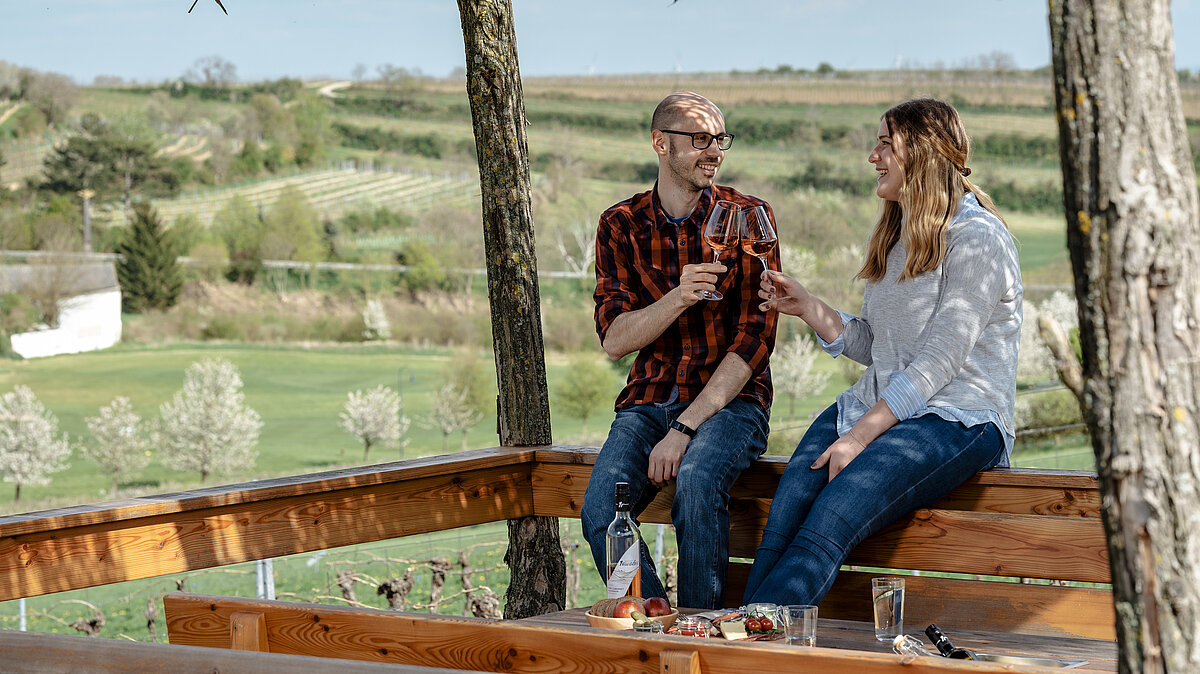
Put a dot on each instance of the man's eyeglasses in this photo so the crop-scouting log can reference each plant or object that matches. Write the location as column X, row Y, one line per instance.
column 702, row 139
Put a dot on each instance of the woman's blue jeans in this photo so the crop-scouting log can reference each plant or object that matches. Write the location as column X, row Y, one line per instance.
column 724, row 446
column 814, row 524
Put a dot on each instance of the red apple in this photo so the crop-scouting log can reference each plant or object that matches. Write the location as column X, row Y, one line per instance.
column 627, row 606
column 656, row 606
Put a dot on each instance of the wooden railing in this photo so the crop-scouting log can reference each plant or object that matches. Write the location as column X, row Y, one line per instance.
column 85, row 546
column 1007, row 522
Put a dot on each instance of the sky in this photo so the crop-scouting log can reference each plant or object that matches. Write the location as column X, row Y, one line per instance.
column 154, row 40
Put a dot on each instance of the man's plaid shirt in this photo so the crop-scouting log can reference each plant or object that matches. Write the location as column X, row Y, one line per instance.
column 639, row 257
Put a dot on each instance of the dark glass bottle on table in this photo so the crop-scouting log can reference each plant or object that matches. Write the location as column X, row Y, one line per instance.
column 942, row 643
column 622, row 549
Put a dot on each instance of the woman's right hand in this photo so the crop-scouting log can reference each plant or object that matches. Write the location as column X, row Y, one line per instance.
column 782, row 293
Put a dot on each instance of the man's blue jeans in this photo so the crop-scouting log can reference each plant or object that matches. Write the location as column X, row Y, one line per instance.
column 723, row 447
column 814, row 524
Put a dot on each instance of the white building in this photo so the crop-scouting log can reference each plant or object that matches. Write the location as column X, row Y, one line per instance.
column 89, row 317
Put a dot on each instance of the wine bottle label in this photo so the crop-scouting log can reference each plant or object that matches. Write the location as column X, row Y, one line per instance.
column 621, row 576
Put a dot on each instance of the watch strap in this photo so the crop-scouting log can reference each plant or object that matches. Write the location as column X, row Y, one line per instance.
column 683, row 428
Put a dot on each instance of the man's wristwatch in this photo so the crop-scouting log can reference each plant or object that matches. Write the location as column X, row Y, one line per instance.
column 683, row 428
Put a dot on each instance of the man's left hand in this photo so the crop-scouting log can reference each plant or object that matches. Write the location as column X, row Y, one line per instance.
column 666, row 457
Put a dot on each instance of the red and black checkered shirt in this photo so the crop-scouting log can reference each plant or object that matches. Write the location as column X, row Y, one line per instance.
column 639, row 257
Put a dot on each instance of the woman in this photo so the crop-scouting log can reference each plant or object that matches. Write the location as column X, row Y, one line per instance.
column 940, row 325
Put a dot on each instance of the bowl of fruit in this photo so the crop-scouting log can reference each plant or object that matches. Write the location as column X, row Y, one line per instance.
column 625, row 613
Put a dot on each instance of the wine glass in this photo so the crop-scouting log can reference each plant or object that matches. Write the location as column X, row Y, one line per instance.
column 758, row 236
column 721, row 232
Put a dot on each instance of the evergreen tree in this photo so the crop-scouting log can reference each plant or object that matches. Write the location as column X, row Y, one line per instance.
column 111, row 159
column 148, row 272
column 84, row 161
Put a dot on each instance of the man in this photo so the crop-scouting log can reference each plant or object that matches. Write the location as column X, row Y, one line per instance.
column 696, row 404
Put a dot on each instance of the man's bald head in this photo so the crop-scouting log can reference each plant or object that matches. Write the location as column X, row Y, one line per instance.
column 682, row 107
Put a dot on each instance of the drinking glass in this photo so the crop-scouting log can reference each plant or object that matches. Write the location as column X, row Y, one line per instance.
column 887, row 598
column 722, row 232
column 758, row 236
column 801, row 624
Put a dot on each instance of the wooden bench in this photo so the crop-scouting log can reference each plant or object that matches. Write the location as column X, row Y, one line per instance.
column 1016, row 523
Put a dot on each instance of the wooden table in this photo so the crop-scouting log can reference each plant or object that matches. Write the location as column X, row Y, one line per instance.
column 860, row 636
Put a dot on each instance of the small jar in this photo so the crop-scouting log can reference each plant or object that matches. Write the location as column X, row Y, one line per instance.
column 691, row 626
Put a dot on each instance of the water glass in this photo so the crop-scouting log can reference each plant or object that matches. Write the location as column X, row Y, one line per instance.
column 801, row 621
column 887, row 599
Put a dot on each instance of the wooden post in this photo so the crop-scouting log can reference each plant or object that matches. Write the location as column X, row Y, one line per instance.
column 498, row 111
column 679, row 662
column 1133, row 230
column 248, row 631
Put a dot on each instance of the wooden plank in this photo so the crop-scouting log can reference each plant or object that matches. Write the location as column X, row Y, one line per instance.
column 982, row 605
column 92, row 555
column 509, row 646
column 1027, row 477
column 248, row 631
column 35, row 653
column 1024, row 499
column 252, row 492
column 559, row 490
column 1033, row 546
column 991, row 543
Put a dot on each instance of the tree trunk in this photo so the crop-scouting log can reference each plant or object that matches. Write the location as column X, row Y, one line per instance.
column 1134, row 232
column 498, row 112
column 537, row 568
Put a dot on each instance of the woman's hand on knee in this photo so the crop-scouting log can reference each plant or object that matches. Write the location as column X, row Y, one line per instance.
column 838, row 456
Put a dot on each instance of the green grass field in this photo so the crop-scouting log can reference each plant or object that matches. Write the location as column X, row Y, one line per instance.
column 299, row 392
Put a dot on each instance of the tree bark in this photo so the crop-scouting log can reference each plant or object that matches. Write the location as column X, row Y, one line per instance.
column 1134, row 233
column 534, row 557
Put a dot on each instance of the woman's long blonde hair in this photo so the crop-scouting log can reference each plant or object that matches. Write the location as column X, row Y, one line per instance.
column 934, row 182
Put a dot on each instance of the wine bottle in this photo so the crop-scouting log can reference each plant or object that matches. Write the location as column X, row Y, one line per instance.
column 944, row 646
column 906, row 645
column 622, row 550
